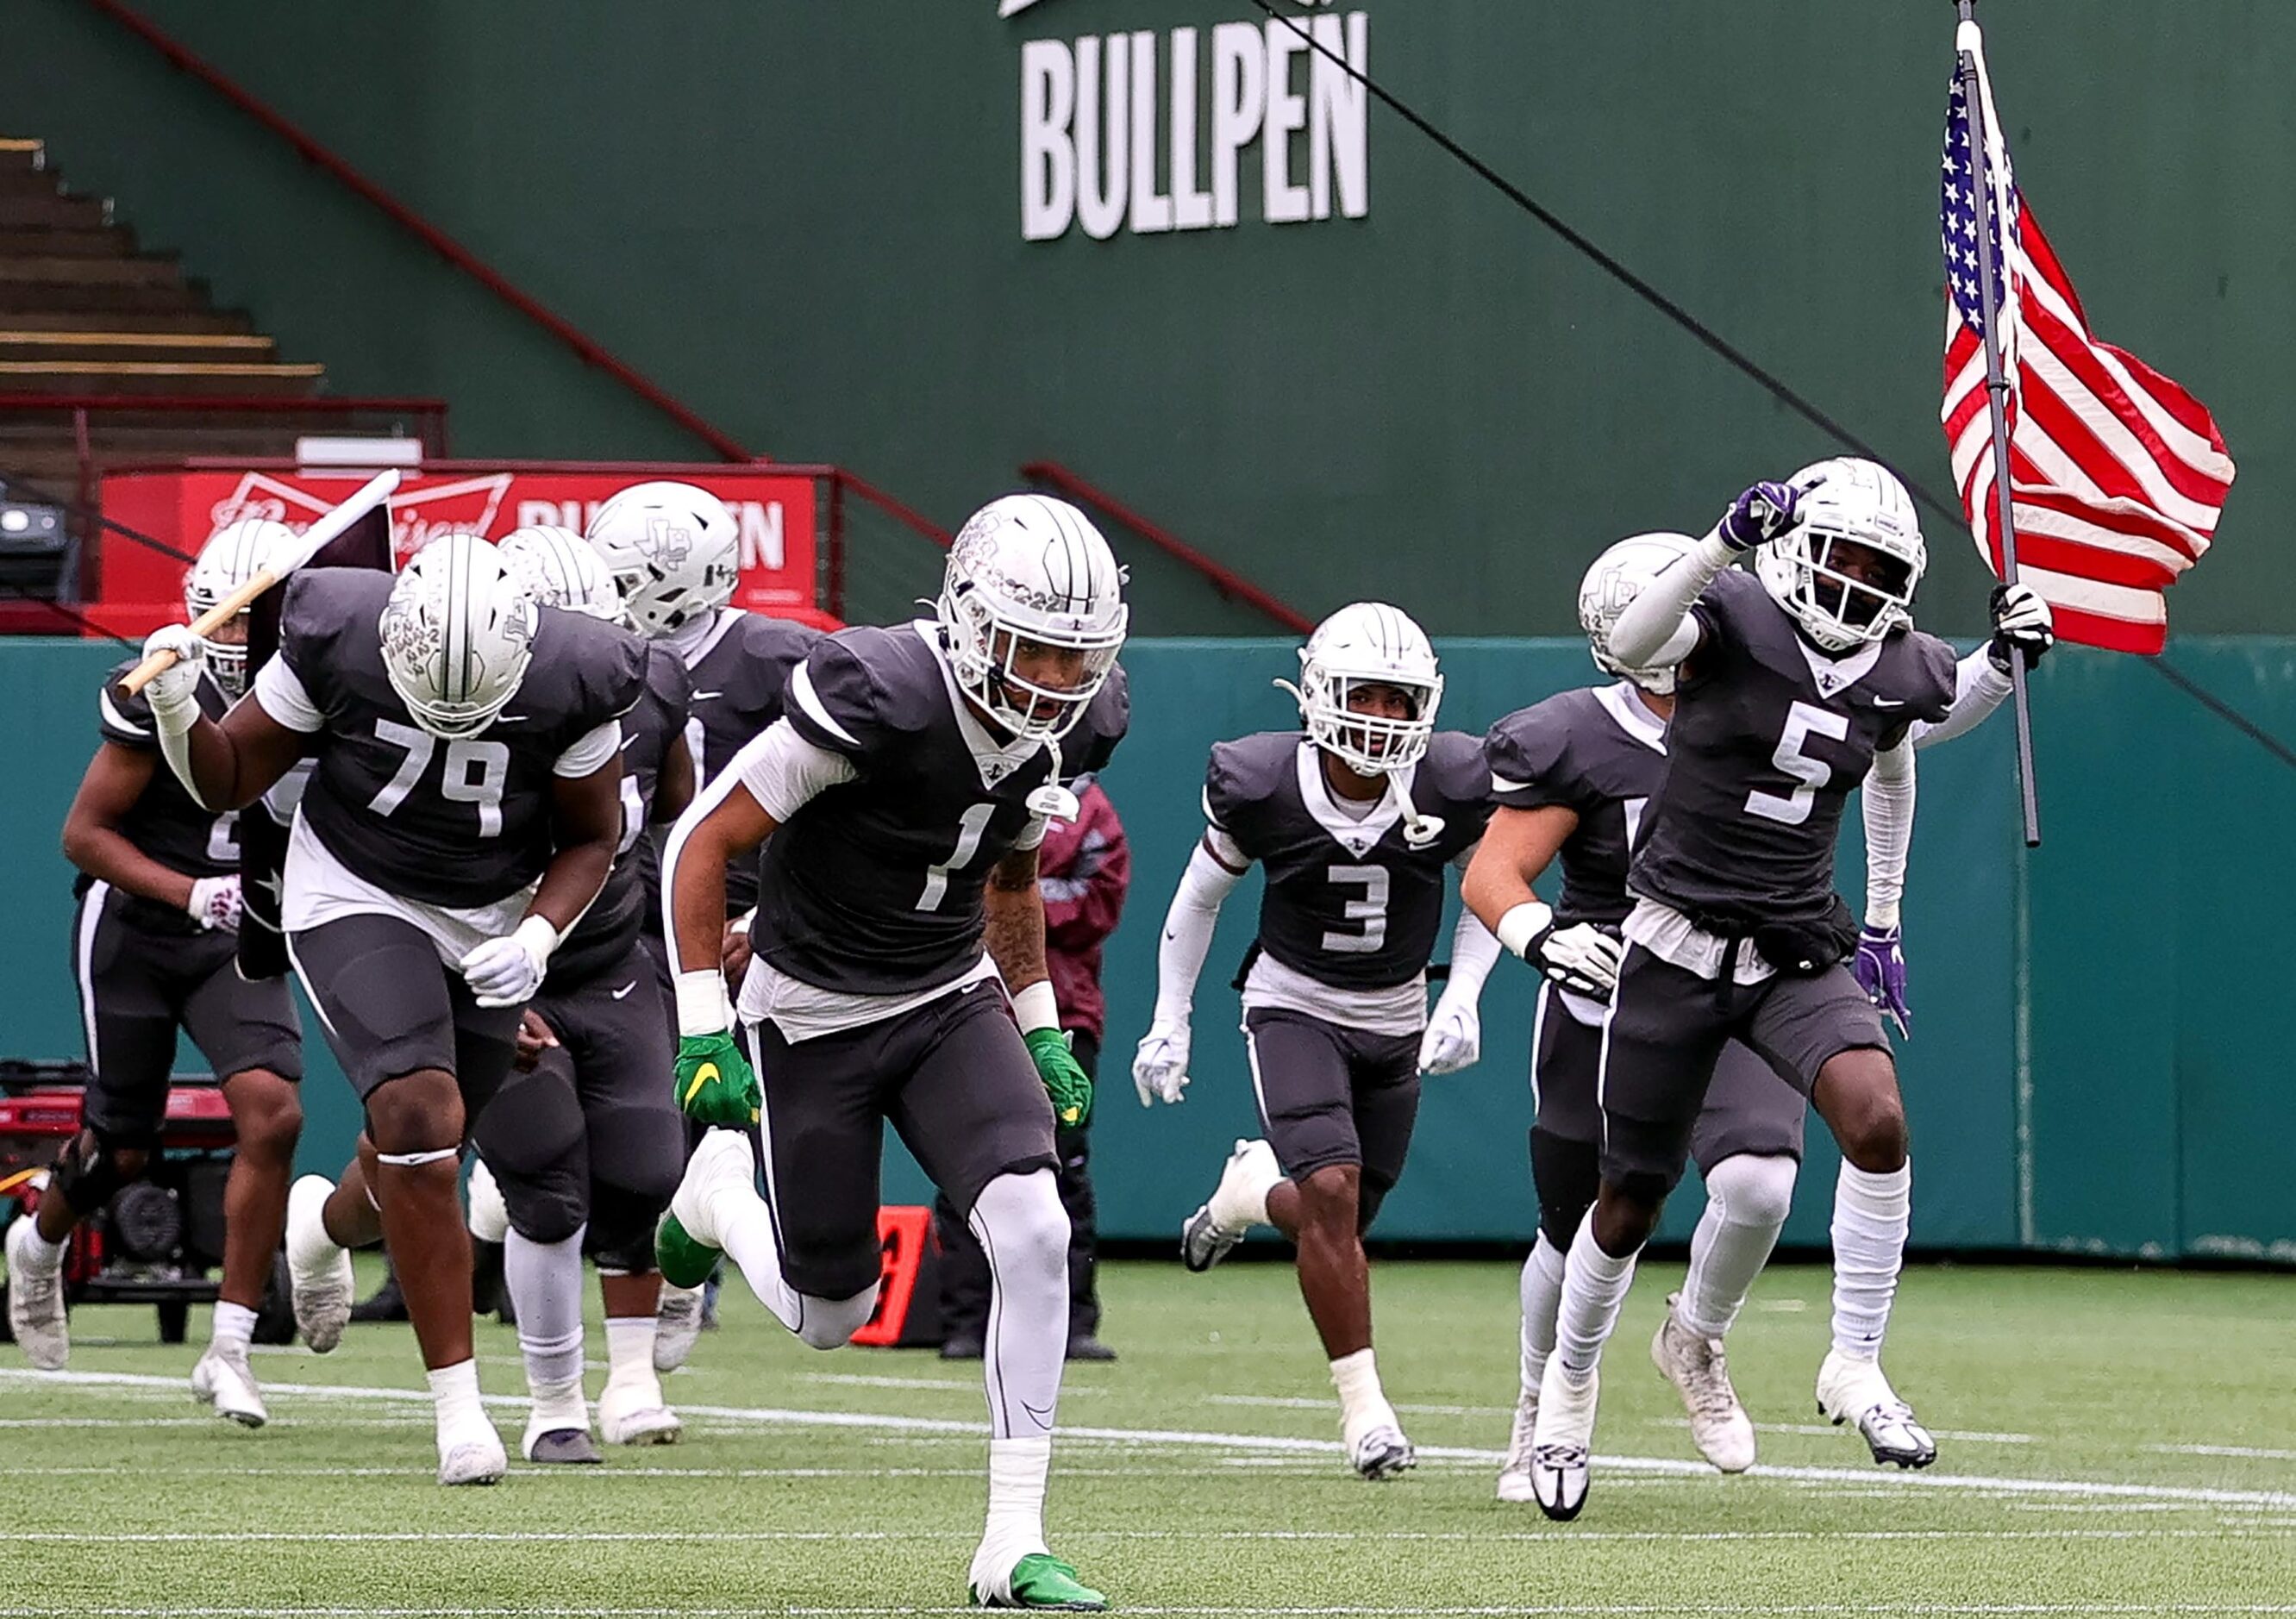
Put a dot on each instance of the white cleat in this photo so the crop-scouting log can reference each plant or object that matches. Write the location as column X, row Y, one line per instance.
column 1382, row 1453
column 722, row 1165
column 1562, row 1441
column 1718, row 1425
column 321, row 1281
column 1237, row 1203
column 36, row 1300
column 222, row 1379
column 1514, row 1473
column 635, row 1413
column 677, row 1326
column 1856, row 1392
column 473, row 1458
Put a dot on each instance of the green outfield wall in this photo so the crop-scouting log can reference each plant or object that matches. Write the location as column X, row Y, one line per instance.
column 1149, row 238
column 2140, row 1105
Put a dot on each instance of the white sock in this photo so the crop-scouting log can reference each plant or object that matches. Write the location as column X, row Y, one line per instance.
column 455, row 1395
column 629, row 1349
column 309, row 1248
column 546, row 1285
column 1021, row 1227
column 1594, row 1289
column 39, row 1251
column 1017, row 1470
column 1542, row 1302
column 1240, row 1201
column 235, row 1327
column 1362, row 1403
column 1871, row 1214
column 745, row 1231
column 1747, row 1198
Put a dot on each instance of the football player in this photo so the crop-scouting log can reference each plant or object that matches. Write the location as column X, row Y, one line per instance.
column 155, row 946
column 676, row 554
column 1573, row 776
column 1355, row 817
column 584, row 1140
column 901, row 800
column 463, row 813
column 1798, row 681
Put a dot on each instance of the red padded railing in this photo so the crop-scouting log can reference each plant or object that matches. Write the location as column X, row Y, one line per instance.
column 1224, row 580
column 454, row 252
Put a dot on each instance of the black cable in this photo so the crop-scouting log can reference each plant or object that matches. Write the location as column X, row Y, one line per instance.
column 69, row 615
column 1732, row 354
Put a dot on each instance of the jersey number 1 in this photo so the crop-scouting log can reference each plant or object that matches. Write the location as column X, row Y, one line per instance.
column 461, row 784
column 969, row 830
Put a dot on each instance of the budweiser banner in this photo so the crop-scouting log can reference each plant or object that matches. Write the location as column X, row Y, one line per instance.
column 774, row 509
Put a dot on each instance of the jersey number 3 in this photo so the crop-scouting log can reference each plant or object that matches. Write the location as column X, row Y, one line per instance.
column 1370, row 911
column 463, row 784
column 1803, row 721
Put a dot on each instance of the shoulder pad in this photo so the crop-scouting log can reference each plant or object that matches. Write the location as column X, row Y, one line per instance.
column 1727, row 598
column 608, row 665
column 668, row 678
column 1456, row 768
column 124, row 720
column 1937, row 677
column 1526, row 750
column 1247, row 773
column 770, row 647
column 319, row 604
column 861, row 690
column 1089, row 747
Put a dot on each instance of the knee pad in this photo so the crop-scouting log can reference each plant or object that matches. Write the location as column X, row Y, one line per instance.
column 829, row 1323
column 532, row 1135
column 89, row 1170
column 637, row 1151
column 621, row 1239
column 1566, row 1174
column 489, row 1218
column 1022, row 1225
column 1753, row 1188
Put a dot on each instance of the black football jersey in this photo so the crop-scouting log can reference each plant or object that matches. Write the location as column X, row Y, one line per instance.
column 1591, row 752
column 166, row 822
column 457, row 824
column 1763, row 752
column 874, row 887
column 739, row 676
column 1348, row 903
column 619, row 913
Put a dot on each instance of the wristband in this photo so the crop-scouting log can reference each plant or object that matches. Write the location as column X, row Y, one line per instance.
column 702, row 1008
column 740, row 924
column 538, row 937
column 1521, row 924
column 1035, row 1008
column 1882, row 913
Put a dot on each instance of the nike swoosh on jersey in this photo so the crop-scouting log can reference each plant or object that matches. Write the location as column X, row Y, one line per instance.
column 1888, row 702
column 625, row 989
column 703, row 697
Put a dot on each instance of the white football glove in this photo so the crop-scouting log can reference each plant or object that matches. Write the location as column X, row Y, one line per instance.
column 1581, row 957
column 214, row 902
column 174, row 692
column 1454, row 1039
column 1160, row 1068
column 2022, row 624
column 507, row 972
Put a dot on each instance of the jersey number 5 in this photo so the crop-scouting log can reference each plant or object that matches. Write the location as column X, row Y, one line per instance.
column 1802, row 722
column 461, row 783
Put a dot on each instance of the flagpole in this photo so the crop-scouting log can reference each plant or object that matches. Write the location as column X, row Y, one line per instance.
column 1997, row 392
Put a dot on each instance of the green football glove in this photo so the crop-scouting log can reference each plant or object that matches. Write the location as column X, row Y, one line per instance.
column 715, row 1083
column 1065, row 1080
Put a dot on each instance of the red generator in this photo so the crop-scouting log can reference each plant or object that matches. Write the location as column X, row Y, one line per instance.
column 158, row 1238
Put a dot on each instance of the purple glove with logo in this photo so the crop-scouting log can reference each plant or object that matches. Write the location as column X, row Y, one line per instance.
column 1758, row 516
column 1881, row 971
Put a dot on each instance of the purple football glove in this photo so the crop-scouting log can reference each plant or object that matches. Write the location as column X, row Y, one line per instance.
column 1881, row 971
column 1758, row 516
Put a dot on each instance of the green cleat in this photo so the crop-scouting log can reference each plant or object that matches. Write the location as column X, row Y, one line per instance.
column 684, row 1262
column 1041, row 1581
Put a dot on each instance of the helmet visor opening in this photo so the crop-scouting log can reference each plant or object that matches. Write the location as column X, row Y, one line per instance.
column 1858, row 586
column 1039, row 685
column 1376, row 724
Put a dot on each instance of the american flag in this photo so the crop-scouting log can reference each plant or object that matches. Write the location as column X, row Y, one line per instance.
column 2117, row 475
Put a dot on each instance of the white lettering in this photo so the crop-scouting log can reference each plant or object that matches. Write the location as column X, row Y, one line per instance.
column 1102, row 131
column 1239, row 103
column 761, row 534
column 1280, row 201
column 1192, row 209
column 1047, row 150
column 1338, row 128
column 1151, row 209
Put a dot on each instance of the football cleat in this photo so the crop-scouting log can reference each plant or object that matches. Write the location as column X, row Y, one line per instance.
column 686, row 1243
column 1039, row 1581
column 222, row 1379
column 559, row 1445
column 677, row 1326
column 36, row 1300
column 634, row 1413
column 1382, row 1453
column 1855, row 1391
column 478, row 1460
column 320, row 1282
column 1237, row 1203
column 1718, row 1425
column 1562, row 1441
column 1515, row 1472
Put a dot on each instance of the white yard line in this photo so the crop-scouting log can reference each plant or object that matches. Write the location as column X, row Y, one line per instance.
column 2000, row 1610
column 1555, row 1539
column 1823, row 1429
column 888, row 1422
column 2248, row 1452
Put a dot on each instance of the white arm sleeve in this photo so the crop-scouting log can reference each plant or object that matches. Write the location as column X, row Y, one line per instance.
column 1188, row 931
column 1889, row 810
column 590, row 752
column 1657, row 629
column 1474, row 948
column 279, row 692
column 782, row 771
column 1978, row 690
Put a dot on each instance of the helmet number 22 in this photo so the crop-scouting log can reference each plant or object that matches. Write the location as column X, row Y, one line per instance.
column 1803, row 721
column 482, row 787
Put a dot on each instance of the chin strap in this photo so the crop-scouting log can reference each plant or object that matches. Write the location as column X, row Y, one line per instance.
column 1052, row 801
